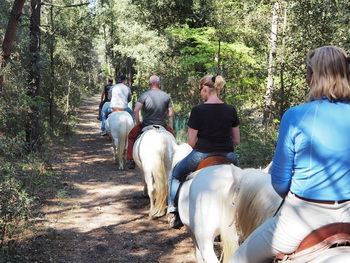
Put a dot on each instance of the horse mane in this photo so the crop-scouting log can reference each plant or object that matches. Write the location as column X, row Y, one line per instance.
column 267, row 169
column 256, row 201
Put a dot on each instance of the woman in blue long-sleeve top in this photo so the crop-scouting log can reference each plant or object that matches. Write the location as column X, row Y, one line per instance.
column 311, row 165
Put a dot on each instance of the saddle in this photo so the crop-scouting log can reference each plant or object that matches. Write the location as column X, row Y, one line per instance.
column 213, row 160
column 118, row 109
column 152, row 127
column 209, row 161
column 326, row 237
column 114, row 110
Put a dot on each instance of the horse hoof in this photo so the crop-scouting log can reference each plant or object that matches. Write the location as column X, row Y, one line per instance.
column 175, row 221
column 130, row 164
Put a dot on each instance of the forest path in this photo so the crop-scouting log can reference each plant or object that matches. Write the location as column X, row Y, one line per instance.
column 100, row 214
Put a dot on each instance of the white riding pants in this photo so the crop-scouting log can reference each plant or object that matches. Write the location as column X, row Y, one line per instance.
column 284, row 232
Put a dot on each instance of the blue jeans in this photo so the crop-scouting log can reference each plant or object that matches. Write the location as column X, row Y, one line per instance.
column 187, row 166
column 108, row 111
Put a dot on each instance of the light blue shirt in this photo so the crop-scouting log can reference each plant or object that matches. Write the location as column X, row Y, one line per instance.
column 312, row 157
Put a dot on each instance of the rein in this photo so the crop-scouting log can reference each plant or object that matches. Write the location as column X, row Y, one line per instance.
column 278, row 208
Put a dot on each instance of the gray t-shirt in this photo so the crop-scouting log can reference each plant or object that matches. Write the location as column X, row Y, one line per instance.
column 155, row 106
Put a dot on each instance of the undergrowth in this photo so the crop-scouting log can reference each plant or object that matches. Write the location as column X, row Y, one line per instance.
column 24, row 178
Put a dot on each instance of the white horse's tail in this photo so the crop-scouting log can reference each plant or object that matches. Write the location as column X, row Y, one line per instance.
column 160, row 178
column 228, row 233
column 122, row 142
column 119, row 126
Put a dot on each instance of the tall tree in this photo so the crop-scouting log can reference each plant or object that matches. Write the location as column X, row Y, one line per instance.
column 272, row 62
column 33, row 130
column 7, row 44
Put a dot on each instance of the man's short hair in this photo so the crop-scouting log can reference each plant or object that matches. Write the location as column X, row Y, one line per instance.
column 154, row 80
column 121, row 78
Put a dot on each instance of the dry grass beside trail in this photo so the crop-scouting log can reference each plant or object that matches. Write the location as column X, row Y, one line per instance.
column 98, row 214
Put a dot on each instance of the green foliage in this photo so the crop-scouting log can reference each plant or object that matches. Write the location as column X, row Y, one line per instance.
column 257, row 145
column 15, row 205
column 198, row 54
column 162, row 13
column 24, row 178
column 309, row 24
column 11, row 147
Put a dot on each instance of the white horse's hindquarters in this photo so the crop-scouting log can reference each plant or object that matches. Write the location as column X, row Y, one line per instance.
column 200, row 203
column 203, row 194
column 118, row 126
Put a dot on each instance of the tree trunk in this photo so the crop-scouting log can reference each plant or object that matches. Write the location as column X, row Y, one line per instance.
column 283, row 95
column 33, row 132
column 271, row 69
column 52, row 70
column 7, row 45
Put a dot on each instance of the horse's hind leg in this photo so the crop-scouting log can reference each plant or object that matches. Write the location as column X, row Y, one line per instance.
column 198, row 253
column 151, row 192
column 208, row 252
column 205, row 235
column 145, row 190
column 205, row 251
column 115, row 150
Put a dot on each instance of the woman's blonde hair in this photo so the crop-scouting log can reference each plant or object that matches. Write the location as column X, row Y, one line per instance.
column 330, row 69
column 213, row 82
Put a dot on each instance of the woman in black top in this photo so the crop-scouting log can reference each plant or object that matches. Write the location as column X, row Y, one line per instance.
column 213, row 131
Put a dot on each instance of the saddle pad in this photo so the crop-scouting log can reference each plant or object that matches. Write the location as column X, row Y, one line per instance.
column 213, row 160
column 117, row 109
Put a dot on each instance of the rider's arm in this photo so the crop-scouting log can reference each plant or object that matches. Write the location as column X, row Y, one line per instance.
column 192, row 137
column 129, row 95
column 137, row 109
column 283, row 160
column 170, row 112
column 103, row 94
column 236, row 137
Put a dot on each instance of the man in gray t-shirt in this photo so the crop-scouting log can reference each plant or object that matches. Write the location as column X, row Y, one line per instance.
column 156, row 107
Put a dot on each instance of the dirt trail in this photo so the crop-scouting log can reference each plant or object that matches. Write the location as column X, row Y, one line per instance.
column 100, row 214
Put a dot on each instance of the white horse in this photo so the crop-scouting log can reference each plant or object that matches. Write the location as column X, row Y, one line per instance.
column 232, row 202
column 153, row 153
column 105, row 106
column 215, row 202
column 118, row 126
